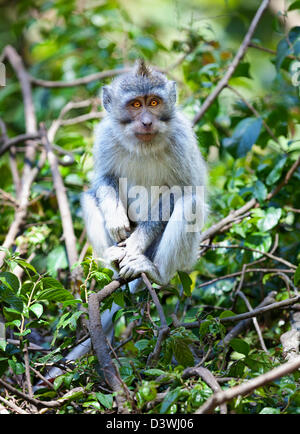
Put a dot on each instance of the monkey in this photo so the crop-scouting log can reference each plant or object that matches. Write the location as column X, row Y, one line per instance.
column 146, row 163
column 144, row 147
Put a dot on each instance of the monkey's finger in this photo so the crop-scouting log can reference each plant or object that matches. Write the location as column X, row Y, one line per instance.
column 127, row 259
column 114, row 235
column 126, row 272
column 122, row 234
column 122, row 244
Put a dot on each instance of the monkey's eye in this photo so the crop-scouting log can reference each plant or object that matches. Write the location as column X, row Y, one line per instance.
column 136, row 104
column 154, row 103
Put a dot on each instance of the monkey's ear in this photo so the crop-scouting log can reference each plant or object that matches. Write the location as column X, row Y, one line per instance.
column 106, row 96
column 172, row 92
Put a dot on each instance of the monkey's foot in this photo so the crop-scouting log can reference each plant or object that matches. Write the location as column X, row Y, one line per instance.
column 133, row 266
column 114, row 254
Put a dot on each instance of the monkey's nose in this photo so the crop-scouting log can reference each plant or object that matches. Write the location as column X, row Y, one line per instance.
column 147, row 123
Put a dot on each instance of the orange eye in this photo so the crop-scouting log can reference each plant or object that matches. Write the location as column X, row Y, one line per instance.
column 154, row 103
column 136, row 104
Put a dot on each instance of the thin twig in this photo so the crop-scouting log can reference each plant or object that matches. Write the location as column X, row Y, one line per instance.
column 248, row 387
column 232, row 67
column 13, row 406
column 163, row 330
column 66, row 217
column 78, row 81
column 208, row 377
column 255, row 322
column 21, row 138
column 254, row 111
column 37, row 402
column 251, row 249
column 246, row 315
column 30, row 170
column 248, row 270
column 154, row 297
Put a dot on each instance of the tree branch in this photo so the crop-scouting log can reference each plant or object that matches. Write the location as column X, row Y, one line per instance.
column 248, row 387
column 238, row 57
column 78, row 81
column 99, row 343
column 66, row 217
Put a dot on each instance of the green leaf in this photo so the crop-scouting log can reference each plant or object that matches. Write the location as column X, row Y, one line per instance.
column 101, row 278
column 240, row 346
column 226, row 314
column 295, row 5
column 275, row 173
column 17, row 367
column 53, row 290
column 155, row 372
column 58, row 382
column 260, row 191
column 288, row 45
column 270, row 220
column 297, row 275
column 186, row 282
column 105, row 400
column 142, row 344
column 119, row 298
column 3, row 344
column 182, row 353
column 242, row 70
column 25, row 265
column 57, row 258
column 244, row 136
column 37, row 309
column 169, row 399
column 270, row 410
column 10, row 280
column 9, row 286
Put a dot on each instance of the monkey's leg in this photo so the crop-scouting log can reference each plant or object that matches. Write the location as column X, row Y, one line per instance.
column 178, row 247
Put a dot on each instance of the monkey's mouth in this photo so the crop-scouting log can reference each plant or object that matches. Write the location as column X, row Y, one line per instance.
column 145, row 137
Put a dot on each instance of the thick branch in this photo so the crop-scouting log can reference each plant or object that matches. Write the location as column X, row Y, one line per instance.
column 99, row 343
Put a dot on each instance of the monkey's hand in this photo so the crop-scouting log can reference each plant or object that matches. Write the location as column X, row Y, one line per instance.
column 114, row 254
column 117, row 225
column 132, row 266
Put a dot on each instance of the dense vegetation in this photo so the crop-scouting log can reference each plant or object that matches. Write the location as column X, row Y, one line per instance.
column 249, row 133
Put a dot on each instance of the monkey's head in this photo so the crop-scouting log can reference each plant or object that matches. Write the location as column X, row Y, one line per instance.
column 141, row 103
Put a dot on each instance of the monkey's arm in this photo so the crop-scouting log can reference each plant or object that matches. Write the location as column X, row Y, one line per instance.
column 143, row 236
column 114, row 213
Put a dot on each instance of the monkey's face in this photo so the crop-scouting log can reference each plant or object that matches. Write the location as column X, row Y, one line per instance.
column 145, row 113
column 141, row 105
